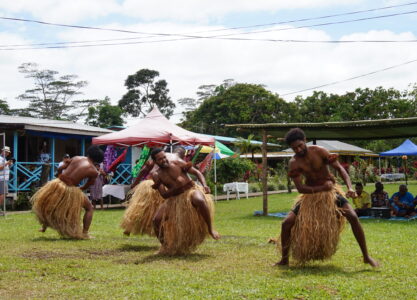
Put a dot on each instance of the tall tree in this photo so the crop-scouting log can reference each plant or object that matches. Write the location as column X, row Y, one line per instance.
column 145, row 92
column 247, row 146
column 204, row 92
column 240, row 103
column 104, row 114
column 51, row 98
column 4, row 108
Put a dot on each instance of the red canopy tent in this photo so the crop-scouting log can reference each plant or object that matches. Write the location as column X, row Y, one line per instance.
column 153, row 130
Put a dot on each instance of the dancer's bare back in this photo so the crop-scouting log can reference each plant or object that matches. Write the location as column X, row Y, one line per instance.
column 78, row 168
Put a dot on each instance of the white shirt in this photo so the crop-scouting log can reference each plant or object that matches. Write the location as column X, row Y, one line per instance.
column 4, row 174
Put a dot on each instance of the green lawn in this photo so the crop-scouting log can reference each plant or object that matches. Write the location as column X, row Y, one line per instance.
column 35, row 265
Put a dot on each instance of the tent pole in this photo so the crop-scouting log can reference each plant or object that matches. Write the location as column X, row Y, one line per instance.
column 264, row 174
column 405, row 170
column 215, row 176
column 379, row 163
column 4, row 181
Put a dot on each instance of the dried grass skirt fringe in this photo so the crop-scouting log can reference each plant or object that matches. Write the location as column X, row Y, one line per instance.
column 141, row 209
column 59, row 206
column 317, row 228
column 182, row 226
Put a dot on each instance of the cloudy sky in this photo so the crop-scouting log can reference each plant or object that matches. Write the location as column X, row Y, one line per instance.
column 248, row 42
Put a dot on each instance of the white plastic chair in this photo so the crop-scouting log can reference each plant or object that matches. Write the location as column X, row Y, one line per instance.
column 236, row 187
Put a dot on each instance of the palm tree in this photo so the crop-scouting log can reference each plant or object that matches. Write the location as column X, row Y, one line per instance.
column 247, row 145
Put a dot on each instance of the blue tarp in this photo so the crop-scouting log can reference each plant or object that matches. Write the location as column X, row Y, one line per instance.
column 284, row 214
column 406, row 148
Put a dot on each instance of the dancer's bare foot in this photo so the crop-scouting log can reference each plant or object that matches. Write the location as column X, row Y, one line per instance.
column 43, row 229
column 282, row 262
column 86, row 236
column 273, row 241
column 215, row 235
column 371, row 261
column 126, row 233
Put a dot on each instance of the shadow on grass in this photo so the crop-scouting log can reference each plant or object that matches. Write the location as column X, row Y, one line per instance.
column 54, row 239
column 194, row 257
column 137, row 248
column 326, row 270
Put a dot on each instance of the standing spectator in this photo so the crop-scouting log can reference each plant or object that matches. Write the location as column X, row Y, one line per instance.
column 65, row 159
column 402, row 203
column 4, row 175
column 44, row 156
column 96, row 190
column 379, row 197
column 361, row 200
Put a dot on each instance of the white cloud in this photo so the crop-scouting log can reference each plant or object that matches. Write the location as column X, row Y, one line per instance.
column 61, row 11
column 282, row 67
column 201, row 10
column 179, row 10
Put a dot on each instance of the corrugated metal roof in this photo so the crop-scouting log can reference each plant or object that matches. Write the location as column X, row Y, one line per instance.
column 332, row 146
column 225, row 139
column 339, row 147
column 348, row 130
column 47, row 125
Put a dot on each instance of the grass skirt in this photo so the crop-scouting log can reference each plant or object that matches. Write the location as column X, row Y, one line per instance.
column 58, row 206
column 141, row 209
column 182, row 226
column 317, row 228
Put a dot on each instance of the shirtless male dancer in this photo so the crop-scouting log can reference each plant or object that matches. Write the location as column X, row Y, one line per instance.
column 311, row 162
column 150, row 166
column 76, row 169
column 144, row 200
column 171, row 180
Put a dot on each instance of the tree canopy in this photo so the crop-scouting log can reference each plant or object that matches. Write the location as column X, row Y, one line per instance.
column 104, row 114
column 51, row 97
column 4, row 107
column 249, row 103
column 239, row 103
column 145, row 92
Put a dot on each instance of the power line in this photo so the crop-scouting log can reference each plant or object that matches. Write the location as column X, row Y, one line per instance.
column 185, row 37
column 33, row 46
column 57, row 45
column 314, row 18
column 352, row 78
column 333, row 23
column 232, row 28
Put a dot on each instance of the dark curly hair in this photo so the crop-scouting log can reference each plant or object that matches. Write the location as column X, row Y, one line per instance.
column 95, row 153
column 155, row 151
column 295, row 134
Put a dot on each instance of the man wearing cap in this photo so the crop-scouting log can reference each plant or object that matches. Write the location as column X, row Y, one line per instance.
column 65, row 159
column 4, row 174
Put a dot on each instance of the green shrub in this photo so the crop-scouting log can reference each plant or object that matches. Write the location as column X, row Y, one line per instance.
column 254, row 187
column 23, row 201
column 282, row 186
column 272, row 186
column 233, row 169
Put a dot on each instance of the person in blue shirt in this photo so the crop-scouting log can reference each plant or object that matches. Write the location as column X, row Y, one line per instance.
column 402, row 203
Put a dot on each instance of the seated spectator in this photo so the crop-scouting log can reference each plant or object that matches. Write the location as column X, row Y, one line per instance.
column 379, row 197
column 402, row 203
column 362, row 201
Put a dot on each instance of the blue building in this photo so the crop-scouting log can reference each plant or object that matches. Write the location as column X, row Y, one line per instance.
column 36, row 142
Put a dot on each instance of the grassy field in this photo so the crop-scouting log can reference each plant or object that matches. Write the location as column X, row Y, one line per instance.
column 35, row 265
